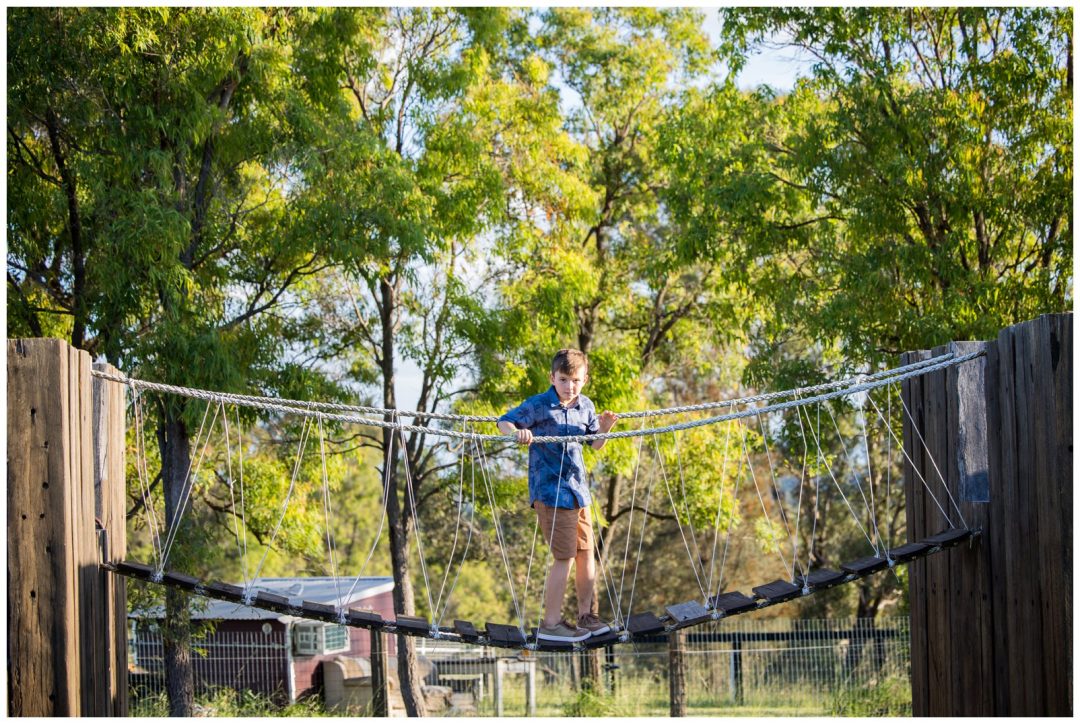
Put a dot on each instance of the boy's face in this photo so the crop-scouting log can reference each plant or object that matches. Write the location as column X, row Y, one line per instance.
column 568, row 384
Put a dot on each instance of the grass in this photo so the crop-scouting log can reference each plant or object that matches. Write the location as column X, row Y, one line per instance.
column 230, row 703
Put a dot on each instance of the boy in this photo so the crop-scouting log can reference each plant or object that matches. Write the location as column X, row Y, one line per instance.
column 558, row 490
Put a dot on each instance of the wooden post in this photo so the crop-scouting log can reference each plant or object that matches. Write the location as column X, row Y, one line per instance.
column 380, row 676
column 530, row 687
column 736, row 672
column 110, row 499
column 500, row 668
column 66, row 634
column 677, row 673
column 610, row 667
column 992, row 621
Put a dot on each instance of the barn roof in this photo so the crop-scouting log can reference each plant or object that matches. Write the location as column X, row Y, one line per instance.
column 318, row 589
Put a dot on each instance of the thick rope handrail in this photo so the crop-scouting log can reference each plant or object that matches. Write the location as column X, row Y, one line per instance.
column 749, row 412
column 240, row 399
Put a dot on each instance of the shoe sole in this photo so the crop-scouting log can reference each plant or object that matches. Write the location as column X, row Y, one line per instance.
column 556, row 637
column 600, row 631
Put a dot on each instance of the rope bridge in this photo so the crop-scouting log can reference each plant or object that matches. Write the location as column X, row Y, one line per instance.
column 715, row 602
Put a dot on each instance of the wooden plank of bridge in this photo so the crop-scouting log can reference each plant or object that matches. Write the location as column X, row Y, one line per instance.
column 914, row 458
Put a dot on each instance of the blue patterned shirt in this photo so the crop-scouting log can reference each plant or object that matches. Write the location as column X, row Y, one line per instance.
column 544, row 415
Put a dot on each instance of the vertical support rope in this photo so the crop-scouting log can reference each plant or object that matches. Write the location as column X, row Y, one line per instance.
column 675, row 510
column 719, row 507
column 189, row 484
column 305, row 428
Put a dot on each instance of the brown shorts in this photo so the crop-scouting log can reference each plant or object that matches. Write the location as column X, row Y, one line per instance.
column 572, row 529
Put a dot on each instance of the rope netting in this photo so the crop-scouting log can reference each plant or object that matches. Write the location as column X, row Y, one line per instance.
column 862, row 503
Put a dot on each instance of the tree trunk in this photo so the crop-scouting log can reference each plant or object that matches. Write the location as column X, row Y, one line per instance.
column 398, row 519
column 175, row 447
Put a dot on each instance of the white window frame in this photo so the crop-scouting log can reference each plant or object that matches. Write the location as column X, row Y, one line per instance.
column 309, row 639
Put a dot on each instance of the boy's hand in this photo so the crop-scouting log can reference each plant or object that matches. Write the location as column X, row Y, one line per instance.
column 608, row 420
column 524, row 436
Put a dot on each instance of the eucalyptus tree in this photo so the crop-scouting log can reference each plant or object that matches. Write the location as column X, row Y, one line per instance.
column 913, row 189
column 599, row 270
column 148, row 210
column 428, row 113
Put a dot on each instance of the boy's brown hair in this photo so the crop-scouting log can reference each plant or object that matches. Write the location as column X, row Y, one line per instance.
column 569, row 361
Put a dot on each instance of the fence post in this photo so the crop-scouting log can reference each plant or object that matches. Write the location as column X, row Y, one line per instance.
column 380, row 675
column 677, row 672
column 110, row 498
column 62, row 658
column 991, row 622
column 610, row 667
column 736, row 671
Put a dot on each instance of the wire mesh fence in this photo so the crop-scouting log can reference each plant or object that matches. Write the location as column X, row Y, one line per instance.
column 241, row 661
column 774, row 666
column 836, row 666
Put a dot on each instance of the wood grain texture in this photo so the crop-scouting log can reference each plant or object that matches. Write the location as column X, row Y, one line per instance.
column 992, row 620
column 67, row 646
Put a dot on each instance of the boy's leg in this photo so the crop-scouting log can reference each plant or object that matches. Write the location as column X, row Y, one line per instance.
column 559, row 527
column 585, row 580
column 555, row 590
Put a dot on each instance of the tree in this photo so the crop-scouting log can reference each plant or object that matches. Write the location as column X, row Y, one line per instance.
column 427, row 116
column 913, row 190
column 145, row 150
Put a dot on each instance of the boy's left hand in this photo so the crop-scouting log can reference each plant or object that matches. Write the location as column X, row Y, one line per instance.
column 608, row 420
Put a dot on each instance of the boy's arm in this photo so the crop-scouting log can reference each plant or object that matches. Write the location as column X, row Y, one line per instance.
column 607, row 421
column 524, row 435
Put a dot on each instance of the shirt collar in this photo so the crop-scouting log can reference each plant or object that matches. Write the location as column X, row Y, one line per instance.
column 553, row 399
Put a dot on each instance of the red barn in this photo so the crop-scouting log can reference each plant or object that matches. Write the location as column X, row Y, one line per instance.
column 269, row 653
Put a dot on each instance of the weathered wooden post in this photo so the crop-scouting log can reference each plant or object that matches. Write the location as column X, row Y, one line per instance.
column 380, row 675
column 991, row 622
column 66, row 633
column 736, row 671
column 677, row 672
